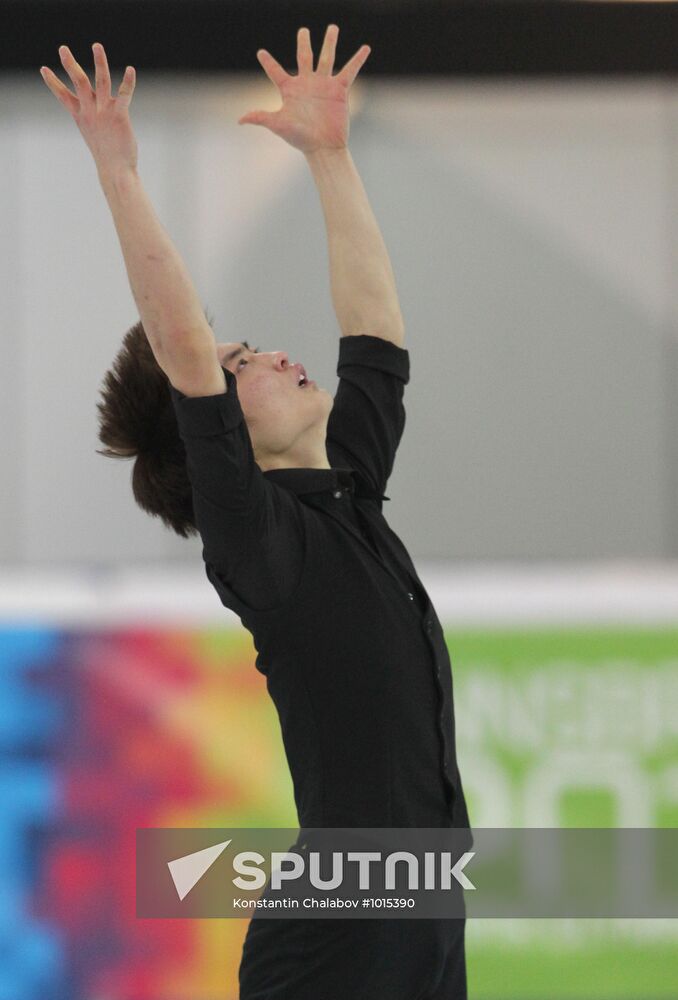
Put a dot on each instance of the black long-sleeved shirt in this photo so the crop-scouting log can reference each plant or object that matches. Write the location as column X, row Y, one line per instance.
column 351, row 647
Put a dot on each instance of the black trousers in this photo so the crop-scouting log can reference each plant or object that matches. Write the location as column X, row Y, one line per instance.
column 344, row 959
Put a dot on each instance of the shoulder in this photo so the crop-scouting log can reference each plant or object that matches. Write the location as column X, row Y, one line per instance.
column 377, row 353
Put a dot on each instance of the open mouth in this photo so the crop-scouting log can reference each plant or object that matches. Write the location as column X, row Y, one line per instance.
column 303, row 379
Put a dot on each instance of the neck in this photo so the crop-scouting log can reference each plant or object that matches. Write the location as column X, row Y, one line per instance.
column 292, row 461
column 303, row 454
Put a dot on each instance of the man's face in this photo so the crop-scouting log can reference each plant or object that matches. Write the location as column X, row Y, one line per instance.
column 278, row 409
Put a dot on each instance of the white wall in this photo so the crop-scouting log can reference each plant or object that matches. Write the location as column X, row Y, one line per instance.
column 533, row 236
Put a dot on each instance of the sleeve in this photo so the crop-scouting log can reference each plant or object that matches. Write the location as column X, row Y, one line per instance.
column 368, row 417
column 251, row 529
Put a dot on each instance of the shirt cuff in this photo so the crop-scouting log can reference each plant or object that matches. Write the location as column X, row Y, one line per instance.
column 374, row 352
column 204, row 416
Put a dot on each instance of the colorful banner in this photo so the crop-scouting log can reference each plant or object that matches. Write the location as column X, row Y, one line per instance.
column 106, row 730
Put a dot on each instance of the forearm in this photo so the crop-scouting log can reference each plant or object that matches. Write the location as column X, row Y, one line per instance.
column 164, row 293
column 361, row 277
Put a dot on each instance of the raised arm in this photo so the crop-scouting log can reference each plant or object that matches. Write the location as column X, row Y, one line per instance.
column 170, row 310
column 314, row 118
column 244, row 525
column 361, row 277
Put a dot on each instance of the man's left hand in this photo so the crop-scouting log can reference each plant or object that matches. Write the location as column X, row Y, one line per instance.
column 314, row 114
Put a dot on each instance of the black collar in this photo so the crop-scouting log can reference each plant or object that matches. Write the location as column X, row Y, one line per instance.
column 313, row 480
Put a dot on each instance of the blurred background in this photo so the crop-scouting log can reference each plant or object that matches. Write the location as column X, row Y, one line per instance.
column 522, row 161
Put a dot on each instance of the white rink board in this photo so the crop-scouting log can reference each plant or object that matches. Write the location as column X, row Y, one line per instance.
column 500, row 595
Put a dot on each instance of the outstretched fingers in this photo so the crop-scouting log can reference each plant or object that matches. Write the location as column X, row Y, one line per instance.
column 84, row 95
column 102, row 75
column 103, row 81
column 304, row 51
column 327, row 53
column 353, row 66
column 126, row 88
column 78, row 77
column 62, row 93
column 272, row 67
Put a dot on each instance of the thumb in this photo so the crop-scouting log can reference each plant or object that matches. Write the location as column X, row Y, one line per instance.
column 255, row 118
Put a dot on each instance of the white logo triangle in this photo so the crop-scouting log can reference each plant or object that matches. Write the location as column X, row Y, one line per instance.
column 190, row 869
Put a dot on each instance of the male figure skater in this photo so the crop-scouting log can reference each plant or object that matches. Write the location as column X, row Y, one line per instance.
column 286, row 487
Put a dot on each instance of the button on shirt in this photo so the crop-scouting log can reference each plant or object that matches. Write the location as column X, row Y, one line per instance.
column 351, row 647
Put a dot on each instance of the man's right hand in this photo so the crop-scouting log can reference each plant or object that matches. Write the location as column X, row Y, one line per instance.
column 103, row 120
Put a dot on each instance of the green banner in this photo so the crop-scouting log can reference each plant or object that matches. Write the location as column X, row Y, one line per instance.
column 575, row 728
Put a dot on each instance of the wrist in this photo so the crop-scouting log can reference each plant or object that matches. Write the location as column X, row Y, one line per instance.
column 114, row 177
column 327, row 154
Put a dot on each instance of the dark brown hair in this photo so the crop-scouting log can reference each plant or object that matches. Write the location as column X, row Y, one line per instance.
column 137, row 420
